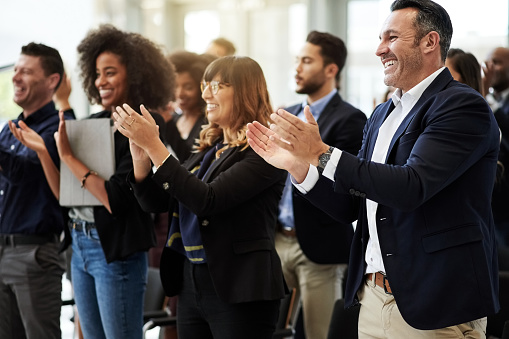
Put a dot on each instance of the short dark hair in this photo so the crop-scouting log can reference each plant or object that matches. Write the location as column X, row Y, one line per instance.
column 467, row 66
column 51, row 62
column 332, row 49
column 430, row 17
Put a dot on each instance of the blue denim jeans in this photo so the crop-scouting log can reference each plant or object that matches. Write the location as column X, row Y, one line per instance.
column 110, row 296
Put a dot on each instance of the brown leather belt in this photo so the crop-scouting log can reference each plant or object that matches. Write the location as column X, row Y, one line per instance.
column 380, row 280
column 290, row 233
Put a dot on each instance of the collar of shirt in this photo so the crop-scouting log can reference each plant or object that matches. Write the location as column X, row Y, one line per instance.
column 318, row 106
column 40, row 115
column 410, row 98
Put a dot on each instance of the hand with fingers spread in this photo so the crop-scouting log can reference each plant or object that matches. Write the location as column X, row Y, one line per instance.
column 266, row 143
column 302, row 138
column 28, row 136
column 144, row 142
column 139, row 128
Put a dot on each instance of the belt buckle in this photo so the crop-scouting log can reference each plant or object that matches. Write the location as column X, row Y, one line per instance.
column 384, row 281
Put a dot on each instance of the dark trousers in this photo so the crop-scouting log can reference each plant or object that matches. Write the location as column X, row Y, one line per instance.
column 30, row 291
column 202, row 315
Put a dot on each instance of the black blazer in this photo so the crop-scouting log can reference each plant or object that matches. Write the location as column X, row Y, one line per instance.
column 323, row 239
column 434, row 217
column 236, row 204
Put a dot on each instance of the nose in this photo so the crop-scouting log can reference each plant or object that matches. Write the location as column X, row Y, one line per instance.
column 298, row 66
column 178, row 91
column 15, row 76
column 100, row 80
column 382, row 49
column 207, row 92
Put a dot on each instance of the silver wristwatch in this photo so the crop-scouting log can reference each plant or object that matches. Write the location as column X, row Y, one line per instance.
column 323, row 159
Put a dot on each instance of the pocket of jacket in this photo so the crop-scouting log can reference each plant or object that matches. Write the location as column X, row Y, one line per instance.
column 452, row 237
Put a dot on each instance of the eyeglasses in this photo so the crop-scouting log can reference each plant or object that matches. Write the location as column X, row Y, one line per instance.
column 214, row 86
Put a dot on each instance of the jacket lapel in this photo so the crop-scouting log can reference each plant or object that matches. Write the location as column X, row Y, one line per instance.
column 440, row 82
column 379, row 119
column 217, row 163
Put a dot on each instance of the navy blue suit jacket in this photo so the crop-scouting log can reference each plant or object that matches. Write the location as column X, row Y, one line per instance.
column 434, row 217
column 323, row 239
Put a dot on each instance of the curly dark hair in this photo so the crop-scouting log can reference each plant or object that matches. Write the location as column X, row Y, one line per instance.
column 192, row 63
column 150, row 77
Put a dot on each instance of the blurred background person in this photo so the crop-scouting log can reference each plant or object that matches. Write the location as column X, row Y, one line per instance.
column 183, row 128
column 220, row 258
column 109, row 242
column 220, row 47
column 496, row 72
column 464, row 68
column 314, row 248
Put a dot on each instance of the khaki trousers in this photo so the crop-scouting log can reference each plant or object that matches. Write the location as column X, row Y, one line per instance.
column 319, row 285
column 379, row 317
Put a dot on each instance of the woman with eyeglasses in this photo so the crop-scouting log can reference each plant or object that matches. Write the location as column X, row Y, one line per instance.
column 220, row 257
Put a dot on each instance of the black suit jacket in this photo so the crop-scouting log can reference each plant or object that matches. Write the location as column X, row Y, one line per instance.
column 236, row 204
column 323, row 239
column 434, row 217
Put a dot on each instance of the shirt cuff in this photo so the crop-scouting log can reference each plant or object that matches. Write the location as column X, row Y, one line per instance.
column 309, row 182
column 332, row 164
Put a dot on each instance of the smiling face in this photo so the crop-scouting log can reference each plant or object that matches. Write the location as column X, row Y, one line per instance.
column 220, row 105
column 32, row 88
column 400, row 55
column 111, row 81
column 187, row 92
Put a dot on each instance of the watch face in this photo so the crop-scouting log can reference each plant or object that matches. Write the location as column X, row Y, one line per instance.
column 324, row 158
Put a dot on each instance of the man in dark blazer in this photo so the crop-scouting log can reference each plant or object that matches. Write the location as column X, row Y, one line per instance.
column 314, row 248
column 423, row 261
column 497, row 77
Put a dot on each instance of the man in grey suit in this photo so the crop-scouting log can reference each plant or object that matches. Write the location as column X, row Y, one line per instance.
column 314, row 248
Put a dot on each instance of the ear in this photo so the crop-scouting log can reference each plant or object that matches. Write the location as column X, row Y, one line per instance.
column 431, row 42
column 53, row 80
column 331, row 70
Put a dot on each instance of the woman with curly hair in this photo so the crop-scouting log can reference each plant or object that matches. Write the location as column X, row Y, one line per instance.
column 220, row 257
column 110, row 242
column 183, row 128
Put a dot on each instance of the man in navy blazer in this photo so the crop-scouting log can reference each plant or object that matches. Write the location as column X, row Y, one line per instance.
column 423, row 261
column 314, row 248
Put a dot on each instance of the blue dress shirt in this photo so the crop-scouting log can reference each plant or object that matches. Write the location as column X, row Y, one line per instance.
column 286, row 217
column 27, row 205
